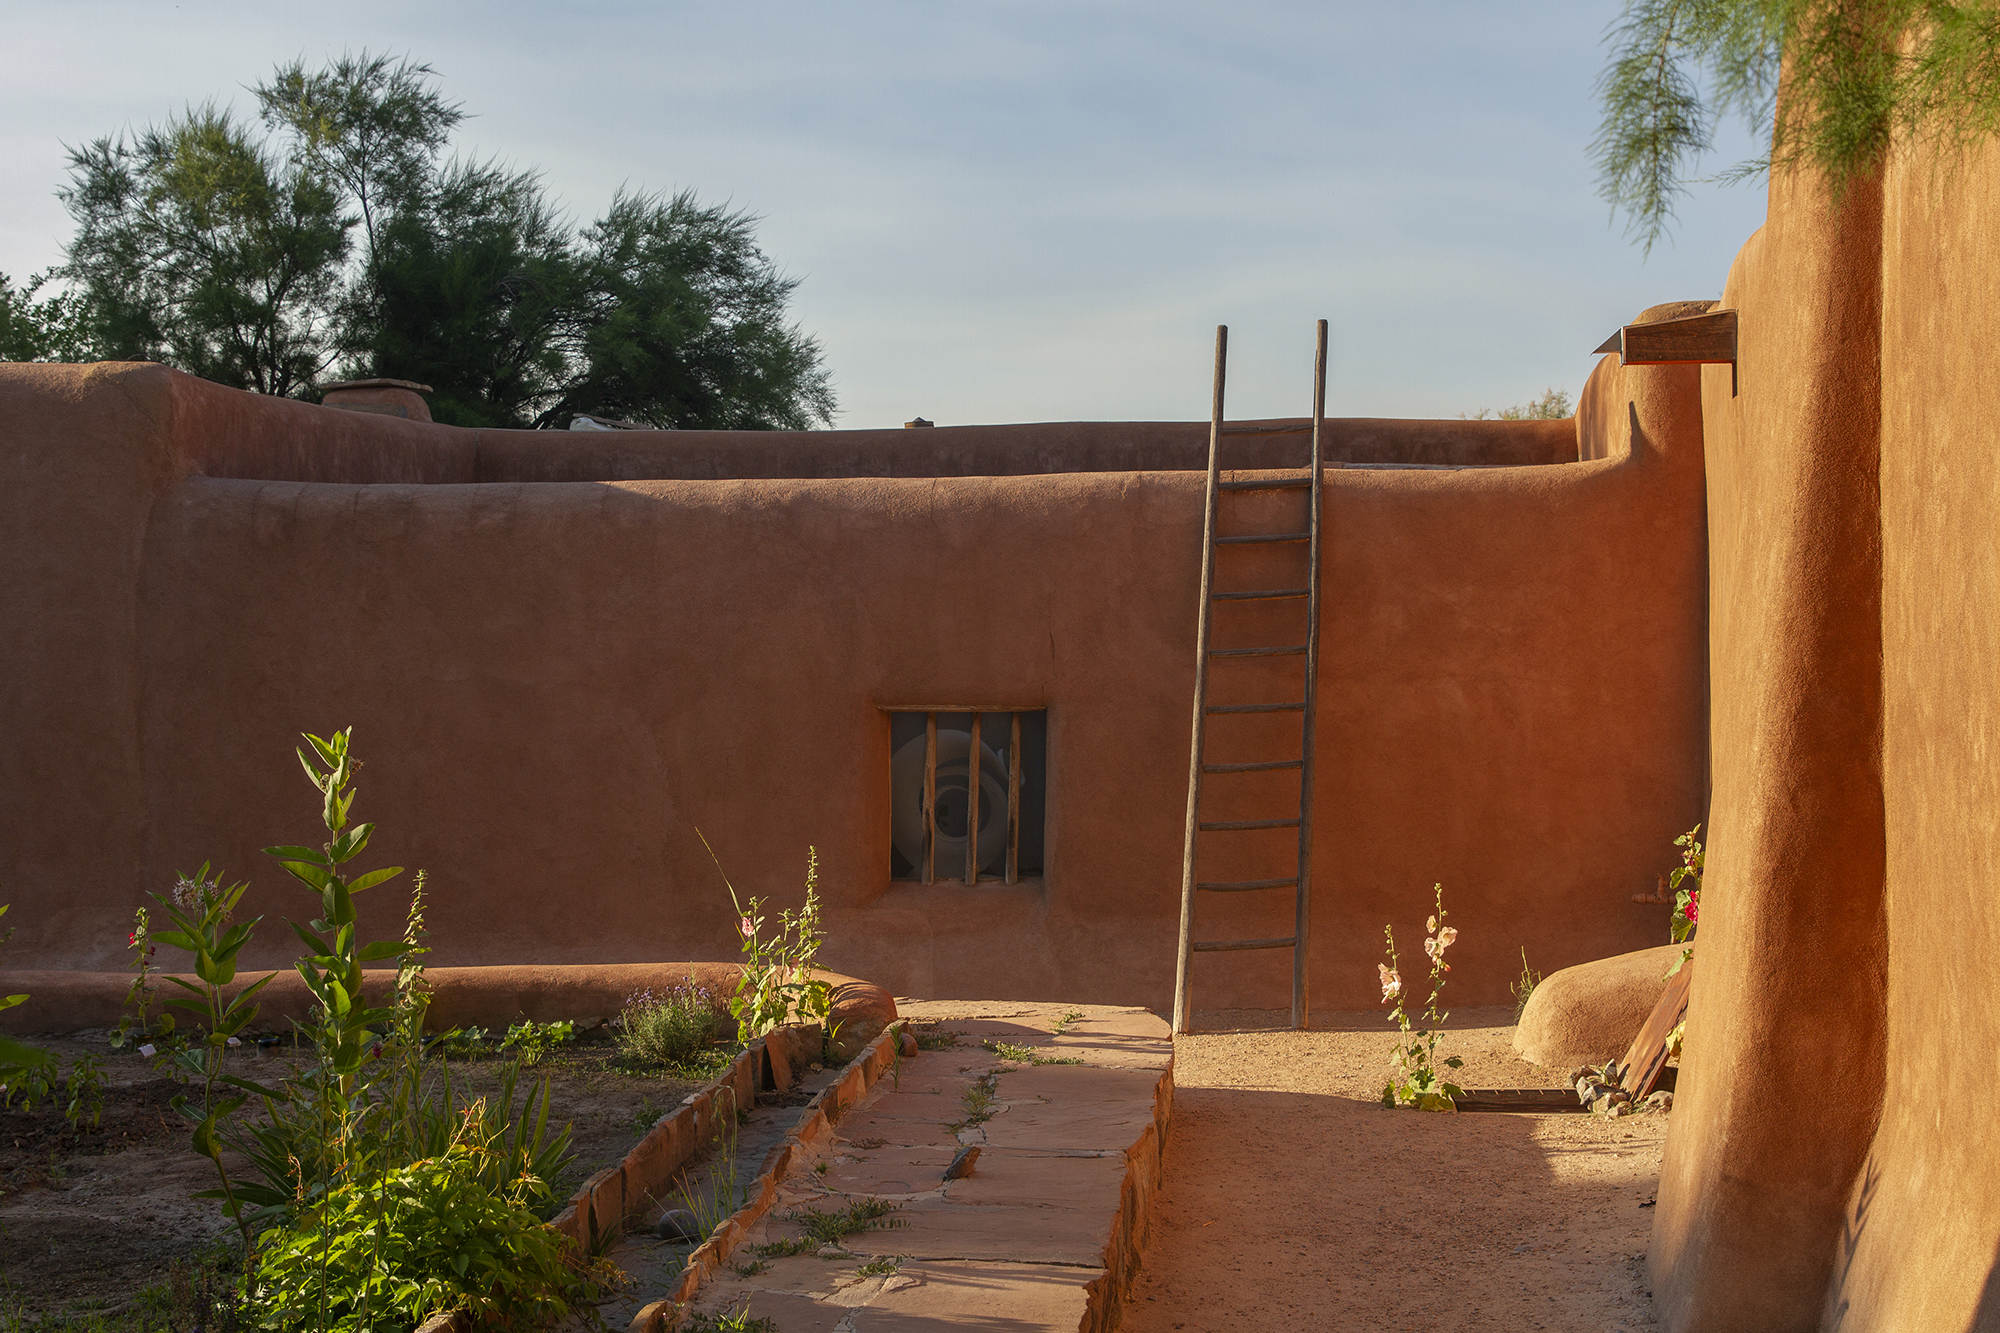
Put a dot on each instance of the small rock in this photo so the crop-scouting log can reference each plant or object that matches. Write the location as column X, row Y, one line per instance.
column 830, row 1252
column 679, row 1224
column 908, row 1045
column 962, row 1164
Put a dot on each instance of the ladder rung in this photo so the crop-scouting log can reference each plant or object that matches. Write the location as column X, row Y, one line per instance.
column 1232, row 825
column 1241, row 885
column 1257, row 708
column 1265, row 767
column 1218, row 946
column 1297, row 651
column 1266, row 595
column 1282, row 484
column 1263, row 537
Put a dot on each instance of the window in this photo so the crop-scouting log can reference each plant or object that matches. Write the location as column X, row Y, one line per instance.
column 935, row 807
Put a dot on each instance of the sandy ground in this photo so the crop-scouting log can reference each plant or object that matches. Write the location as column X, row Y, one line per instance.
column 1293, row 1200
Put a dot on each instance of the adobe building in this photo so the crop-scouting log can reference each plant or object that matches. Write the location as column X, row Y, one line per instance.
column 1767, row 594
column 565, row 653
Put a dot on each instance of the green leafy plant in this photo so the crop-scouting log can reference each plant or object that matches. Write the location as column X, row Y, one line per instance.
column 81, row 1091
column 425, row 1238
column 1553, row 405
column 830, row 1227
column 1063, row 1024
column 778, row 985
column 731, row 1321
column 784, row 1248
column 1685, row 881
column 1855, row 76
column 882, row 1267
column 931, row 1037
column 534, row 1040
column 1419, row 1080
column 718, row 1195
column 367, row 1139
column 980, row 1100
column 18, row 1061
column 1027, row 1055
column 135, row 1018
column 675, row 1027
column 202, row 916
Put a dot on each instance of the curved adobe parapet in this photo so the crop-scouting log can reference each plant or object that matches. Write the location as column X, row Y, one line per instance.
column 490, row 997
column 1011, row 450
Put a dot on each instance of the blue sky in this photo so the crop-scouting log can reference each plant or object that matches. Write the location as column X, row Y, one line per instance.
column 1015, row 211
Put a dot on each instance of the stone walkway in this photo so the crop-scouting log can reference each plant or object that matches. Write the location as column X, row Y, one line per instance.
column 1066, row 1105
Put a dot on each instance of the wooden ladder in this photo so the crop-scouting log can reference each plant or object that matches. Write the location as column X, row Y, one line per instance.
column 1305, row 592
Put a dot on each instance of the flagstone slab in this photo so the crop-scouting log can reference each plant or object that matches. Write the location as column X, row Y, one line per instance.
column 1043, row 1233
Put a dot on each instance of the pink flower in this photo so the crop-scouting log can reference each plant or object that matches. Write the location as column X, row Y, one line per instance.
column 1693, row 913
column 1391, row 983
column 747, row 928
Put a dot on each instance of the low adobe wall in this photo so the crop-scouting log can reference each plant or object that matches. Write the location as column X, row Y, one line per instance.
column 554, row 683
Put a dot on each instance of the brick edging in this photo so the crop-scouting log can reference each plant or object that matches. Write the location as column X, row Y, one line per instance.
column 624, row 1192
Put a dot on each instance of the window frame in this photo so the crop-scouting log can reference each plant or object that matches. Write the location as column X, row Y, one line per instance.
column 927, row 873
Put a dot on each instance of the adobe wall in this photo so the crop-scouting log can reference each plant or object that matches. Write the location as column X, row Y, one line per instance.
column 556, row 681
column 1830, row 1163
column 1921, row 1229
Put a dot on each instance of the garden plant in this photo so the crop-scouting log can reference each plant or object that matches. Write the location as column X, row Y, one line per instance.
column 376, row 1198
column 778, row 985
column 1419, row 1080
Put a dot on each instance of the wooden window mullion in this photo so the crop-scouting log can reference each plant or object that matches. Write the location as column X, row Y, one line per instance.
column 974, row 770
column 1014, row 802
column 930, row 798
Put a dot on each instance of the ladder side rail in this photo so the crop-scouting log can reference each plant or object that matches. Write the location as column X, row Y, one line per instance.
column 1302, row 927
column 1196, row 727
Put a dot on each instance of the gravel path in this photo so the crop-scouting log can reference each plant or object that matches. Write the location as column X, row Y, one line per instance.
column 1293, row 1200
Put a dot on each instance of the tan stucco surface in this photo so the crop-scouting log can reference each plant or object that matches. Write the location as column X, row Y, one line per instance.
column 1830, row 1163
column 564, row 652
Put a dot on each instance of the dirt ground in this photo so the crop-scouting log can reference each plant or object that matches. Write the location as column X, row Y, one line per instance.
column 1293, row 1200
column 90, row 1218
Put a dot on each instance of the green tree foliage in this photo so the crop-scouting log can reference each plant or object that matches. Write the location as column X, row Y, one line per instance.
column 199, row 247
column 1856, row 73
column 48, row 328
column 372, row 124
column 1553, row 405
column 346, row 241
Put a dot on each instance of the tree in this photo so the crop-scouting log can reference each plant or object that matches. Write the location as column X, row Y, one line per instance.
column 682, row 322
column 197, row 247
column 53, row 328
column 232, row 258
column 1553, row 405
column 1856, row 73
column 374, row 125
column 473, row 287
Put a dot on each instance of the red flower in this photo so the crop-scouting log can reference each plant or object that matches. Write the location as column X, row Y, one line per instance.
column 1693, row 912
